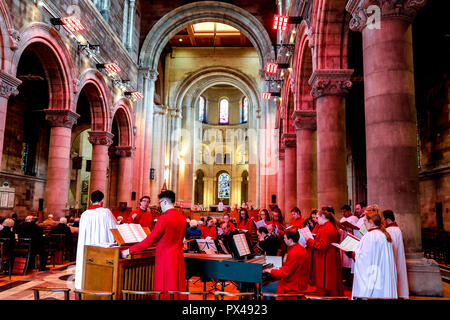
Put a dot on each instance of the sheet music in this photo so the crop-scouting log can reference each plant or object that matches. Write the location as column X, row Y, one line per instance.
column 131, row 233
column 363, row 229
column 277, row 261
column 348, row 244
column 308, row 232
column 205, row 245
column 260, row 223
column 241, row 244
column 138, row 231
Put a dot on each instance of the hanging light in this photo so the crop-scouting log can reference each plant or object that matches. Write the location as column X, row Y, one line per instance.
column 281, row 22
column 111, row 67
column 134, row 94
column 271, row 68
column 266, row 95
column 73, row 24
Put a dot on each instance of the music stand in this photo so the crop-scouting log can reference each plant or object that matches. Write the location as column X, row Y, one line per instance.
column 204, row 244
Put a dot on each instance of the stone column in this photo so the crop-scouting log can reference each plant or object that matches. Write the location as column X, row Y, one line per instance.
column 290, row 174
column 157, row 157
column 280, row 182
column 305, row 123
column 124, row 182
column 8, row 87
column 57, row 186
column 329, row 89
column 391, row 131
column 99, row 164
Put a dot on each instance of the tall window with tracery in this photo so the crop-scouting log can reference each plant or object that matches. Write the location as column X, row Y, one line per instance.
column 223, row 186
column 223, row 111
column 201, row 109
column 244, row 110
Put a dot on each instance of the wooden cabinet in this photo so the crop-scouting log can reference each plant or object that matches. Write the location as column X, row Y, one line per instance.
column 105, row 270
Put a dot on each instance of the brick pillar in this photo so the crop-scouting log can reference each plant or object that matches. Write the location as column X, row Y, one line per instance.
column 57, row 187
column 99, row 164
column 329, row 89
column 391, row 136
column 8, row 87
column 280, row 182
column 290, row 174
column 305, row 123
column 125, row 174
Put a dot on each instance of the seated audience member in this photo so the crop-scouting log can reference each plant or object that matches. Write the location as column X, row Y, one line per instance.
column 326, row 269
column 268, row 244
column 210, row 230
column 293, row 276
column 278, row 222
column 30, row 229
column 399, row 253
column 375, row 274
column 311, row 222
column 193, row 232
column 76, row 225
column 297, row 220
column 63, row 228
column 50, row 221
column 8, row 233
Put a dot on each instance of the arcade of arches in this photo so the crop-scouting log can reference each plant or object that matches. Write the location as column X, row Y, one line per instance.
column 362, row 114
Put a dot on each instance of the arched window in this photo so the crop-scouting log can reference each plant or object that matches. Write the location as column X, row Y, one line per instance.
column 223, row 111
column 223, row 186
column 244, row 110
column 201, row 109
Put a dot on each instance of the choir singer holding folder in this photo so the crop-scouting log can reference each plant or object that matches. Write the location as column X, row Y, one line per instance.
column 168, row 233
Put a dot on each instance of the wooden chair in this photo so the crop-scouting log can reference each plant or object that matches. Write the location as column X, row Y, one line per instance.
column 127, row 294
column 23, row 249
column 299, row 296
column 80, row 293
column 37, row 290
column 189, row 293
column 309, row 297
column 6, row 255
column 240, row 295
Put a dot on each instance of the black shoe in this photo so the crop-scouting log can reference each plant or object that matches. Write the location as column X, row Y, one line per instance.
column 44, row 269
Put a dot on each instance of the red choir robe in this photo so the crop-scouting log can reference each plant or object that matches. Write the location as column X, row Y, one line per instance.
column 169, row 231
column 144, row 218
column 294, row 274
column 326, row 269
column 247, row 226
column 222, row 226
column 280, row 227
column 298, row 223
column 209, row 232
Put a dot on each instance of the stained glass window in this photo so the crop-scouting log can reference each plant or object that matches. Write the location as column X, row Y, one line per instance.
column 244, row 110
column 223, row 111
column 201, row 109
column 224, row 186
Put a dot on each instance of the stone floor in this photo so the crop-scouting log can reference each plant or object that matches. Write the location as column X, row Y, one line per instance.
column 19, row 287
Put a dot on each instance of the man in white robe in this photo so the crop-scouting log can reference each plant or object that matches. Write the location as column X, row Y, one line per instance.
column 399, row 253
column 95, row 225
column 347, row 263
column 375, row 272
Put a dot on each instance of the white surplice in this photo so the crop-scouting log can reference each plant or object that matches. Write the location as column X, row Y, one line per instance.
column 346, row 261
column 95, row 225
column 375, row 272
column 400, row 261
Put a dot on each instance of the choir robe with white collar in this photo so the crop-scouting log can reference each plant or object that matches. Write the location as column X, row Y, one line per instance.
column 95, row 225
column 400, row 261
column 375, row 272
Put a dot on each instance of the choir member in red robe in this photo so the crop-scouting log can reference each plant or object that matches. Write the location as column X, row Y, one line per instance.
column 226, row 221
column 326, row 270
column 294, row 274
column 265, row 216
column 278, row 221
column 210, row 230
column 141, row 216
column 245, row 223
column 297, row 220
column 168, row 234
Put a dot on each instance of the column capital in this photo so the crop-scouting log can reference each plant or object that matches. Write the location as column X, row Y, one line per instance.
column 289, row 140
column 124, row 151
column 159, row 109
column 364, row 11
column 305, row 120
column 100, row 138
column 61, row 118
column 148, row 73
column 334, row 82
column 8, row 85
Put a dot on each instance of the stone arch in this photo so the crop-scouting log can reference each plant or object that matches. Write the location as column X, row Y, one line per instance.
column 49, row 47
column 303, row 70
column 125, row 120
column 6, row 39
column 92, row 82
column 204, row 11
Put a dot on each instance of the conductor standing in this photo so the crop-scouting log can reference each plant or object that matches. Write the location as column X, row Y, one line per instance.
column 168, row 234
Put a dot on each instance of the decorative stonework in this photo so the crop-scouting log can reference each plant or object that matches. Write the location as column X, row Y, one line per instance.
column 14, row 39
column 8, row 85
column 100, row 138
column 149, row 74
column 305, row 120
column 126, row 151
column 330, row 82
column 61, row 118
column 159, row 110
column 289, row 140
column 389, row 9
